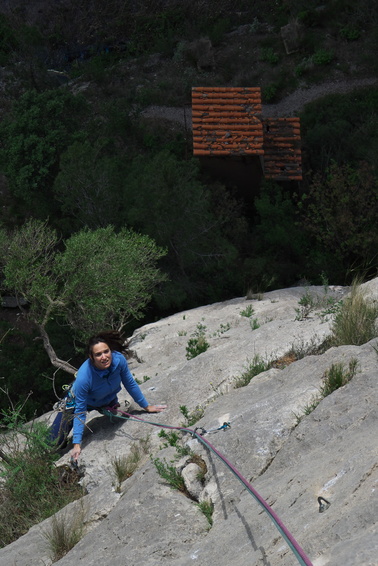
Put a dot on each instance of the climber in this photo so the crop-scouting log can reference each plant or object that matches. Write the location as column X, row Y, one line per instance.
column 97, row 383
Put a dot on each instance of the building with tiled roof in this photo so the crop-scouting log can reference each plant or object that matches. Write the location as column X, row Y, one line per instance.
column 228, row 122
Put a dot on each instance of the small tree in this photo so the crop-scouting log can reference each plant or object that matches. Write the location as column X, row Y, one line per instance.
column 100, row 279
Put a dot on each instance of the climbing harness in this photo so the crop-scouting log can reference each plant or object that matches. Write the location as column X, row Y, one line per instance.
column 293, row 544
column 68, row 401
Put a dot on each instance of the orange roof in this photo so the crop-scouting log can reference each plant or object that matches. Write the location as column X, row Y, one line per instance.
column 282, row 149
column 227, row 121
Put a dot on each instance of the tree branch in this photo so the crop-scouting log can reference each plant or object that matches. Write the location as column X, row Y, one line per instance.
column 56, row 362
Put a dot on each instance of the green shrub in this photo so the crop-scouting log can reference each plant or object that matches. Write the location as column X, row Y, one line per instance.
column 197, row 344
column 323, row 57
column 307, row 303
column 269, row 93
column 254, row 323
column 29, row 475
column 248, row 311
column 337, row 376
column 350, row 32
column 191, row 418
column 269, row 55
column 170, row 474
column 254, row 367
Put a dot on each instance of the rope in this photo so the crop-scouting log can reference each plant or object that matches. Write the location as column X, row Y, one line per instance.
column 293, row 544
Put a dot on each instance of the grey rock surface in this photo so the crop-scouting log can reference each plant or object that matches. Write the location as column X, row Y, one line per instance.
column 289, row 458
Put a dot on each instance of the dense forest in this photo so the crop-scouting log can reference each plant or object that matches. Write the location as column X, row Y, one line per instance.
column 86, row 174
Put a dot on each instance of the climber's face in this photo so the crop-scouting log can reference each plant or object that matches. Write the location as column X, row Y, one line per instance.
column 101, row 355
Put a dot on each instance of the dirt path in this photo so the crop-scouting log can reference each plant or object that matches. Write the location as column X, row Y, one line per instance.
column 289, row 106
column 295, row 102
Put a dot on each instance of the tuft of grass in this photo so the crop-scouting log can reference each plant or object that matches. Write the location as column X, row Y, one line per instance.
column 356, row 320
column 337, row 376
column 191, row 418
column 307, row 409
column 207, row 508
column 125, row 466
column 64, row 533
column 254, row 367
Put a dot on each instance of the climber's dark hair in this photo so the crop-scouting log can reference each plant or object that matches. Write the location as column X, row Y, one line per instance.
column 112, row 338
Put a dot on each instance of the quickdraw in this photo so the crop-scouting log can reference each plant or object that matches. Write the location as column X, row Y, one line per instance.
column 288, row 537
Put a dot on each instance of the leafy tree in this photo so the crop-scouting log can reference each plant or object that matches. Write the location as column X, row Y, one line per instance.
column 100, row 279
column 340, row 211
column 278, row 243
column 341, row 128
column 164, row 198
column 87, row 186
column 32, row 137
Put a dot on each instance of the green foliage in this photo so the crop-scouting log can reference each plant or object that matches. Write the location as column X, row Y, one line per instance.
column 340, row 212
column 100, row 279
column 341, row 127
column 197, row 344
column 269, row 55
column 356, row 320
column 322, row 57
column 307, row 303
column 248, row 311
column 279, row 243
column 125, row 466
column 174, row 439
column 39, row 128
column 334, row 377
column 350, row 32
column 170, row 474
column 255, row 366
column 27, row 260
column 25, row 367
column 269, row 93
column 254, row 323
column 201, row 229
column 88, row 177
column 171, row 438
column 337, row 376
column 207, row 508
column 65, row 532
column 29, row 475
column 108, row 277
column 8, row 40
column 191, row 418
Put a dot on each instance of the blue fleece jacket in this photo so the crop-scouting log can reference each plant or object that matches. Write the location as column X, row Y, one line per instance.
column 97, row 388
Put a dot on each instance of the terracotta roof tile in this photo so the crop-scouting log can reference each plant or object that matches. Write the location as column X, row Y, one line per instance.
column 227, row 121
column 282, row 149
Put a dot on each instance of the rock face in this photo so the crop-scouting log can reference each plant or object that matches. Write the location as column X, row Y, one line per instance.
column 291, row 458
